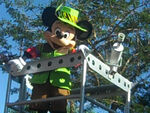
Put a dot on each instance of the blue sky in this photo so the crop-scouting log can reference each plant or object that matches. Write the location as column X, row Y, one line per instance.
column 3, row 76
column 3, row 87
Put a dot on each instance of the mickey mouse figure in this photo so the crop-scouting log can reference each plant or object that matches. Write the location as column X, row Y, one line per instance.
column 63, row 31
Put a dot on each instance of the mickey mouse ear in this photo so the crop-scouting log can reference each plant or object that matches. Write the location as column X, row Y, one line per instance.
column 81, row 35
column 48, row 16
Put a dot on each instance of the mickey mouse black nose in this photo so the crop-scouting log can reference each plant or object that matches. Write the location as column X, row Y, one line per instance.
column 59, row 34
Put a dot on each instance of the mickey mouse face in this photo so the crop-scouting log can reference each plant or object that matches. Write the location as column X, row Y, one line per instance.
column 61, row 35
column 63, row 30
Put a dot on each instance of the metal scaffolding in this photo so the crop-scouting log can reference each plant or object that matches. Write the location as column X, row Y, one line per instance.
column 121, row 86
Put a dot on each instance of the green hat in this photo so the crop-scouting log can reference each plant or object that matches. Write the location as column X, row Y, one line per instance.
column 68, row 15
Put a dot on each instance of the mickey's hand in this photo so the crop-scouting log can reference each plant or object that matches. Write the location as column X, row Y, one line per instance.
column 16, row 65
column 32, row 52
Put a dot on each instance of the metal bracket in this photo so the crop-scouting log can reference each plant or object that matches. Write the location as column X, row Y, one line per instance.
column 69, row 60
column 104, row 70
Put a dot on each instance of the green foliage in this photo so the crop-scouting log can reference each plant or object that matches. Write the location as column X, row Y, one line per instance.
column 138, row 108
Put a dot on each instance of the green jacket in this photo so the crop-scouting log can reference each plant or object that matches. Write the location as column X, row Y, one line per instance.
column 59, row 77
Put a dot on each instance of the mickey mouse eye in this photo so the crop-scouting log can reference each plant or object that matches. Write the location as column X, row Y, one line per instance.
column 66, row 34
column 57, row 31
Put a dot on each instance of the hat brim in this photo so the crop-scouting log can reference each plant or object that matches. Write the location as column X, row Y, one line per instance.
column 72, row 24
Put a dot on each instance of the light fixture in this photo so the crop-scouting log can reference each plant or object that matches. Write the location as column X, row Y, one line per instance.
column 115, row 58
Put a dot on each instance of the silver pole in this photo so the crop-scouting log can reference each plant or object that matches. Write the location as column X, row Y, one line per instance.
column 82, row 92
column 7, row 93
column 127, row 107
column 22, row 93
